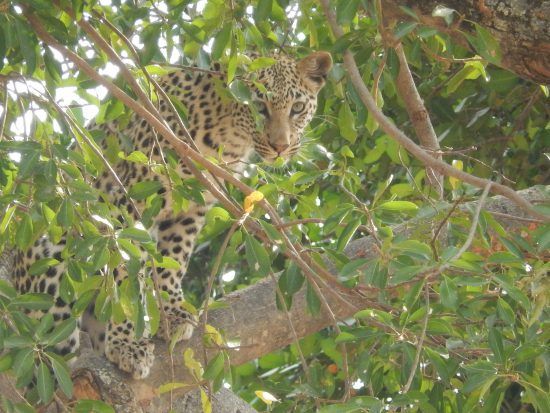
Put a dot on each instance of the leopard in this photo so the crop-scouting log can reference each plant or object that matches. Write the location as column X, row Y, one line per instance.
column 221, row 128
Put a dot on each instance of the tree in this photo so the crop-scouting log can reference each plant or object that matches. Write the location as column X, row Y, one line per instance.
column 396, row 278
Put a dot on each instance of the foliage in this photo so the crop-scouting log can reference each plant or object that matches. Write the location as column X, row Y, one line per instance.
column 483, row 319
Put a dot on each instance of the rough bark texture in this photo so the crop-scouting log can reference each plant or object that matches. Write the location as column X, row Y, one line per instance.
column 252, row 319
column 521, row 27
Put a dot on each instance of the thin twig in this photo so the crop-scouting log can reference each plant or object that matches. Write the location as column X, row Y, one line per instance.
column 5, row 113
column 292, row 329
column 302, row 221
column 187, row 68
column 440, row 227
column 211, row 278
column 473, row 227
column 420, row 342
column 516, row 218
column 360, row 204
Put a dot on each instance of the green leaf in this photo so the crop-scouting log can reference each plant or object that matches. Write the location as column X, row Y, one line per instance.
column 23, row 408
column 347, row 233
column 496, row 344
column 505, row 312
column 130, row 248
column 398, row 206
column 439, row 362
column 168, row 263
column 404, row 28
column 61, row 332
column 52, row 66
column 24, row 234
column 44, row 383
column 257, row 257
column 346, row 123
column 344, row 337
column 65, row 215
column 46, row 323
column 83, row 301
column 93, row 406
column 469, row 71
column 153, row 312
column 352, row 268
column 313, row 302
column 40, row 266
column 448, row 293
column 6, row 361
column 240, row 90
column 346, row 10
column 33, row 301
column 143, row 189
column 261, row 63
column 221, row 40
column 29, row 162
column 17, row 341
column 488, row 46
column 336, row 218
column 401, row 190
column 503, row 257
column 137, row 157
column 355, row 405
column 214, row 368
column 414, row 248
column 136, row 234
column 27, row 46
column 7, row 290
column 62, row 374
column 23, row 362
column 527, row 352
column 290, row 283
column 262, row 10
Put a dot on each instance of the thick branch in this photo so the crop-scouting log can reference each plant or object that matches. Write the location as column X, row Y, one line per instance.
column 519, row 26
column 419, row 116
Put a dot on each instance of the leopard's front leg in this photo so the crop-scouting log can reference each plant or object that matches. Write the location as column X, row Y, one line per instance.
column 176, row 239
column 131, row 354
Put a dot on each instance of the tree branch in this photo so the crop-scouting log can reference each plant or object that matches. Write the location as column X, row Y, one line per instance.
column 388, row 126
column 520, row 27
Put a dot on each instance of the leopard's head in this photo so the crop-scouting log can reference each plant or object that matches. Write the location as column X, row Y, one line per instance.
column 290, row 104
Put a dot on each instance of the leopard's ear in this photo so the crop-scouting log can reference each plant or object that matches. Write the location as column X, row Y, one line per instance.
column 314, row 69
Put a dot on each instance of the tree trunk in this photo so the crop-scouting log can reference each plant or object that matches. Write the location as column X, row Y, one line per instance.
column 521, row 27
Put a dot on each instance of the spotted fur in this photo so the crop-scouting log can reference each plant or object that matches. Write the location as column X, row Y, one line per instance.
column 217, row 125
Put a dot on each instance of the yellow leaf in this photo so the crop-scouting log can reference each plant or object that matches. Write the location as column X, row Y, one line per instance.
column 165, row 388
column 206, row 403
column 192, row 364
column 212, row 335
column 251, row 199
column 266, row 397
column 457, row 164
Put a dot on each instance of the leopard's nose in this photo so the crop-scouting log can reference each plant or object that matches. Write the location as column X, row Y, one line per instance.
column 280, row 147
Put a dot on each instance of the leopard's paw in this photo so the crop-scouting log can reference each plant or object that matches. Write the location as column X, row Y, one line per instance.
column 179, row 324
column 132, row 356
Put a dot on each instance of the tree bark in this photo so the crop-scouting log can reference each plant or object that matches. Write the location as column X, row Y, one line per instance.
column 521, row 27
column 249, row 318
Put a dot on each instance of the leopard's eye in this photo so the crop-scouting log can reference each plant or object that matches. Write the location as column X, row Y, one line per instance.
column 298, row 107
column 262, row 107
